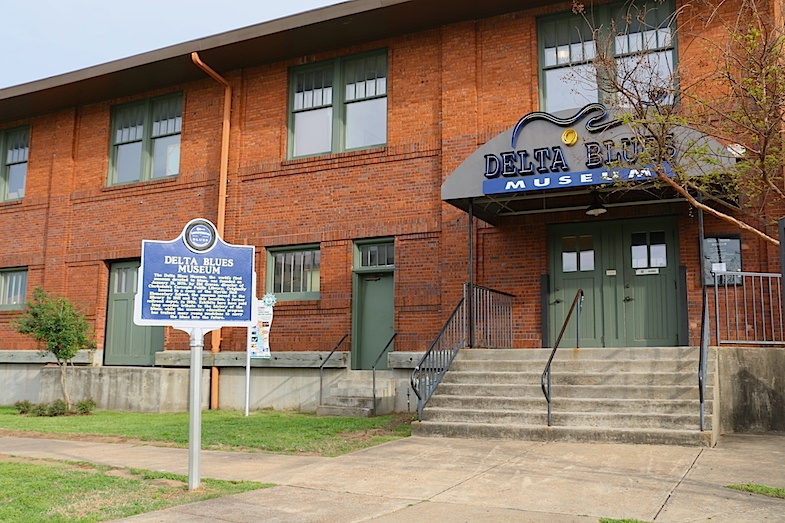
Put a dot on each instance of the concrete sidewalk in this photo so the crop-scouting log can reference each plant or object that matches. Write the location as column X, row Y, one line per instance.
column 454, row 480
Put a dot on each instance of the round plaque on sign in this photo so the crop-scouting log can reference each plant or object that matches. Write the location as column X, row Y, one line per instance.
column 200, row 235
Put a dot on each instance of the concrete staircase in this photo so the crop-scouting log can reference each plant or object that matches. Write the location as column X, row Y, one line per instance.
column 353, row 396
column 624, row 395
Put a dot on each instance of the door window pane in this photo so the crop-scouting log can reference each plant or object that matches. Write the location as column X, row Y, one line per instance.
column 640, row 251
column 659, row 255
column 382, row 255
column 569, row 254
column 586, row 247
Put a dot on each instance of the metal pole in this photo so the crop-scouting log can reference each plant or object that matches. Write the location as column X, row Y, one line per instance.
column 470, row 296
column 781, row 230
column 195, row 426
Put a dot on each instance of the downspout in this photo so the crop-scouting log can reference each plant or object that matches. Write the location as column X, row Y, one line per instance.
column 215, row 339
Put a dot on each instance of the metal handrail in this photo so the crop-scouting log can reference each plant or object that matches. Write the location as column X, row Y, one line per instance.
column 703, row 358
column 373, row 369
column 429, row 375
column 748, row 308
column 546, row 374
column 321, row 367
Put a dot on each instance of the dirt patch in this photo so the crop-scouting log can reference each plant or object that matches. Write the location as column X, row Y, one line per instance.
column 80, row 437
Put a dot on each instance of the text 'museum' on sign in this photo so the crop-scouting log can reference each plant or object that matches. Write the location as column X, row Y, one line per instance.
column 195, row 280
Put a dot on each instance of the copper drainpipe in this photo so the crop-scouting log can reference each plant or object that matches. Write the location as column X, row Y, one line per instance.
column 215, row 339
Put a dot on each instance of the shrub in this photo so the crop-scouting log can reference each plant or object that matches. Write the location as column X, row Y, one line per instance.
column 85, row 406
column 40, row 409
column 57, row 408
column 23, row 407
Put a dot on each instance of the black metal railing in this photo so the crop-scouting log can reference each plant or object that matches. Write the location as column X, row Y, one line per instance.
column 430, row 370
column 321, row 367
column 545, row 378
column 491, row 317
column 748, row 308
column 373, row 369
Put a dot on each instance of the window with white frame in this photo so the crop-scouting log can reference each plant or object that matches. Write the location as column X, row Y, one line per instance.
column 293, row 272
column 13, row 288
column 639, row 38
column 146, row 140
column 15, row 145
column 338, row 105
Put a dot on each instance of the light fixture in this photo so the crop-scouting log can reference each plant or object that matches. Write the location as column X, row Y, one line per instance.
column 596, row 208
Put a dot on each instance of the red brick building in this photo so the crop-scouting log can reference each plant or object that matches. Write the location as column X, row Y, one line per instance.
column 343, row 125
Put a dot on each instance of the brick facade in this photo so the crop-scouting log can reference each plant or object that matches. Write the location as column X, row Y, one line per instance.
column 450, row 89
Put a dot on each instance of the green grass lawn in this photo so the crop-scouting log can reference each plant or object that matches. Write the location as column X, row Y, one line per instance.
column 46, row 490
column 55, row 491
column 262, row 431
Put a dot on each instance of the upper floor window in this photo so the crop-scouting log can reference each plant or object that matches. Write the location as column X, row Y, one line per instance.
column 146, row 140
column 293, row 273
column 15, row 145
column 13, row 288
column 338, row 105
column 639, row 40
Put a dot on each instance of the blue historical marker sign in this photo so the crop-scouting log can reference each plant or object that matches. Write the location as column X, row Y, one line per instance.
column 196, row 281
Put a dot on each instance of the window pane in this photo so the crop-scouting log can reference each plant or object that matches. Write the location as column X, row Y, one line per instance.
column 569, row 254
column 17, row 146
column 640, row 250
column 16, row 181
column 366, row 123
column 382, row 255
column 313, row 132
column 167, row 117
column 13, row 287
column 296, row 272
column 129, row 124
column 166, row 156
column 128, row 162
column 313, row 89
column 586, row 247
column 570, row 87
column 658, row 252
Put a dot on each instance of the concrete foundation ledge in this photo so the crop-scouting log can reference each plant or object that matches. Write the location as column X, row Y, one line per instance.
column 134, row 389
column 83, row 357
column 304, row 359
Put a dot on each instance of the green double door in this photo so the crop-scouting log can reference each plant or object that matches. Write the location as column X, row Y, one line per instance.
column 127, row 343
column 629, row 273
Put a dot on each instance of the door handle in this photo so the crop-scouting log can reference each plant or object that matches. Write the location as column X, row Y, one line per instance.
column 627, row 299
column 558, row 300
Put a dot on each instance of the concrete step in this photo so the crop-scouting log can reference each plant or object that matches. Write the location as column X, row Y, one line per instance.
column 575, row 365
column 559, row 433
column 570, row 404
column 574, row 378
column 608, row 420
column 572, row 391
column 344, row 411
column 564, row 353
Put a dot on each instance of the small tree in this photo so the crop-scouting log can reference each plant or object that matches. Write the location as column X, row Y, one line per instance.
column 59, row 329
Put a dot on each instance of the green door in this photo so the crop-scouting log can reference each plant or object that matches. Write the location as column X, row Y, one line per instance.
column 374, row 318
column 628, row 271
column 127, row 343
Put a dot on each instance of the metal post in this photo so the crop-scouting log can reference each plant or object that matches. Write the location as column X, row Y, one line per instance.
column 781, row 229
column 470, row 294
column 195, row 398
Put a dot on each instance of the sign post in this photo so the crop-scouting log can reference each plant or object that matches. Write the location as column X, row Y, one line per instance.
column 195, row 283
column 258, row 341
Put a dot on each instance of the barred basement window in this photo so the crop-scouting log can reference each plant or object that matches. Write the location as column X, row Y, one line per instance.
column 13, row 288
column 146, row 140
column 293, row 273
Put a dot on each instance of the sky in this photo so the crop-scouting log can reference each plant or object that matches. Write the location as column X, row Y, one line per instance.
column 43, row 38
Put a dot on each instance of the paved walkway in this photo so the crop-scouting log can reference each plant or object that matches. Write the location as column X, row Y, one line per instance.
column 454, row 480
